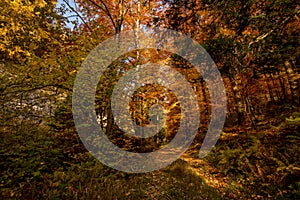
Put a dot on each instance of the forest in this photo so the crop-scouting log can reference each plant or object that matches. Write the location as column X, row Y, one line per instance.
column 254, row 48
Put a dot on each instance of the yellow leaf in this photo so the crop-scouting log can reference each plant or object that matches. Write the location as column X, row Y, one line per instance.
column 41, row 3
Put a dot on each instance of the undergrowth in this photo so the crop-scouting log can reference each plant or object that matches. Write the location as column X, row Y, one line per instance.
column 265, row 162
column 39, row 164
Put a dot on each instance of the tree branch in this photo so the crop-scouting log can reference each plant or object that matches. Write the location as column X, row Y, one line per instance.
column 106, row 10
column 75, row 11
column 261, row 37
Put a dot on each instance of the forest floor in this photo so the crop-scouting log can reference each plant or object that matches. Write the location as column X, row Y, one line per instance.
column 214, row 178
column 245, row 164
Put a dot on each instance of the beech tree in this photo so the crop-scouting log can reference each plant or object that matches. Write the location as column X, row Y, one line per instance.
column 32, row 36
column 250, row 43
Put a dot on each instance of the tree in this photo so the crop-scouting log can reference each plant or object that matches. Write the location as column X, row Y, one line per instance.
column 32, row 35
column 248, row 41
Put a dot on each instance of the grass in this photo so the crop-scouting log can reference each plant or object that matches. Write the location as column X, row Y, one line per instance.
column 39, row 165
column 36, row 163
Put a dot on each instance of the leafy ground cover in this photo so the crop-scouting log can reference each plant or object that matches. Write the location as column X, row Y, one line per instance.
column 39, row 164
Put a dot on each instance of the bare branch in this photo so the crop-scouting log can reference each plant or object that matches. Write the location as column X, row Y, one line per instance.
column 75, row 11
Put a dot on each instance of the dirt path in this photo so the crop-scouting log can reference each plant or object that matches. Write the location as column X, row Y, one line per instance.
column 214, row 178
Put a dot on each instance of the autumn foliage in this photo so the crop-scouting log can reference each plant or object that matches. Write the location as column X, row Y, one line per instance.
column 255, row 45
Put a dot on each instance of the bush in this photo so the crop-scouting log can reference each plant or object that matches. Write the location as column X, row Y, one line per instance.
column 268, row 160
